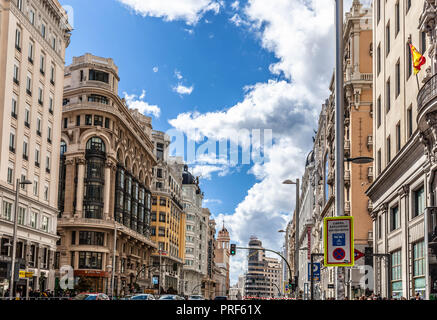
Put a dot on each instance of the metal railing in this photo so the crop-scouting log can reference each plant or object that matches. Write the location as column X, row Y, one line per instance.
column 427, row 93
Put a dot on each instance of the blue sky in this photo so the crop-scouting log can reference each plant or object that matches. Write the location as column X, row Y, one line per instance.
column 214, row 68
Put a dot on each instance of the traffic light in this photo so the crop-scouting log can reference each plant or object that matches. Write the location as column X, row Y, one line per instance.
column 233, row 249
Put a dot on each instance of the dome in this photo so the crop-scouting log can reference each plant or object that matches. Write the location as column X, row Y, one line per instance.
column 187, row 177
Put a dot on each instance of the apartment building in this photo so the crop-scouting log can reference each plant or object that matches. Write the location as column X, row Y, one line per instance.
column 403, row 147
column 168, row 217
column 33, row 38
column 106, row 162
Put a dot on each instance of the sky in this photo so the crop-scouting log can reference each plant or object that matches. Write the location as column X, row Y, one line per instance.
column 238, row 85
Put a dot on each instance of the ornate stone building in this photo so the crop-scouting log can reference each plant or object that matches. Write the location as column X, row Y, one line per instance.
column 404, row 167
column 33, row 38
column 105, row 181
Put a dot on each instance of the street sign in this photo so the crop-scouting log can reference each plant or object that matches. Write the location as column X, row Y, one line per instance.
column 358, row 254
column 22, row 274
column 316, row 271
column 338, row 241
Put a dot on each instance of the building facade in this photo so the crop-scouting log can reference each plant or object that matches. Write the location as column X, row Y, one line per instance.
column 403, row 193
column 222, row 256
column 167, row 218
column 33, row 39
column 105, row 182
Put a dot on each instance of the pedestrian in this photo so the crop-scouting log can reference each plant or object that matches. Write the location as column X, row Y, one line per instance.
column 418, row 297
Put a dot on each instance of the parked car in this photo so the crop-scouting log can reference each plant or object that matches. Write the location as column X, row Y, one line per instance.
column 143, row 296
column 91, row 296
column 196, row 297
column 170, row 297
column 221, row 298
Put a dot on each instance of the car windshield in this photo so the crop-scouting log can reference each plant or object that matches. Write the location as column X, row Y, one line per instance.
column 81, row 296
column 91, row 297
column 167, row 298
column 140, row 297
column 196, row 297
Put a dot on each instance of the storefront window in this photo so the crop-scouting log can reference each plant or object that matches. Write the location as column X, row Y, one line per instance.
column 419, row 267
column 396, row 274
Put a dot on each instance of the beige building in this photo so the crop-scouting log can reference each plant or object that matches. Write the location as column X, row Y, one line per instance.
column 106, row 162
column 33, row 39
column 222, row 256
column 404, row 147
column 167, row 218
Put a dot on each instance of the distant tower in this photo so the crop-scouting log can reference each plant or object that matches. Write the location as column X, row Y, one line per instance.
column 222, row 252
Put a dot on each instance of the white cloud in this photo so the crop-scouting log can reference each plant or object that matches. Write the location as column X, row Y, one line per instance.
column 209, row 201
column 135, row 102
column 300, row 33
column 178, row 74
column 189, row 31
column 237, row 20
column 235, row 5
column 155, row 69
column 181, row 89
column 190, row 11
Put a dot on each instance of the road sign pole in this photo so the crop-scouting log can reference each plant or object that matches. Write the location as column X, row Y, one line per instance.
column 312, row 278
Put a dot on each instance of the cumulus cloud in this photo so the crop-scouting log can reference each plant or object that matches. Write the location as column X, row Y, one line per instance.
column 211, row 201
column 189, row 11
column 181, row 89
column 135, row 102
column 155, row 69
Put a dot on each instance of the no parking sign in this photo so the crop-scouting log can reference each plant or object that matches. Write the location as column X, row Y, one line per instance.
column 339, row 241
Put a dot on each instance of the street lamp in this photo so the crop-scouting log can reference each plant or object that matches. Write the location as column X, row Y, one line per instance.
column 14, row 241
column 296, row 236
column 360, row 160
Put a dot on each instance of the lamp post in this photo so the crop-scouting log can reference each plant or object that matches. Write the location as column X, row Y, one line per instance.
column 296, row 235
column 14, row 241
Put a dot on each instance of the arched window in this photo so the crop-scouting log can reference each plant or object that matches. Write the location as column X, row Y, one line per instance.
column 63, row 147
column 95, row 144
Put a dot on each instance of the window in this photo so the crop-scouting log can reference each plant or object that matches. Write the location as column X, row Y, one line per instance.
column 49, row 134
column 161, row 232
column 38, row 126
column 42, row 64
column 398, row 137
column 10, row 172
column 88, row 120
column 29, row 85
column 98, row 121
column 54, row 43
column 25, row 148
column 77, row 121
column 95, row 143
column 153, row 216
column 52, row 75
column 51, row 105
column 35, row 186
column 160, row 151
column 27, row 117
column 63, row 147
column 45, row 224
column 33, row 219
column 20, row 4
column 395, row 222
column 16, row 74
column 7, row 210
column 419, row 268
column 410, row 121
column 159, row 173
column 396, row 274
column 18, row 39
column 32, row 16
column 387, row 39
column 378, row 10
column 398, row 78
column 73, row 237
column 408, row 5
column 419, row 201
column 98, row 99
column 90, row 260
column 99, row 76
column 91, row 238
column 162, row 217
column 107, row 123
column 14, row 107
column 388, row 95
column 23, row 178
column 21, row 216
column 65, row 123
column 37, row 152
column 388, row 150
column 40, row 96
column 30, row 55
column 378, row 114
column 12, row 140
column 380, row 227
column 397, row 19
column 48, row 164
column 43, row 30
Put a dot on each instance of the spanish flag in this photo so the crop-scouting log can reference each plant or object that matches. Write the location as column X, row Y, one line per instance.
column 418, row 59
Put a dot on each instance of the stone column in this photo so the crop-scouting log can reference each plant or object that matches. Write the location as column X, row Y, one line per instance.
column 69, row 187
column 80, row 187
column 107, row 189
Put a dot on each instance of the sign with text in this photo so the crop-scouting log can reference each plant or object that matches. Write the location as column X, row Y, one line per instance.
column 316, row 271
column 338, row 241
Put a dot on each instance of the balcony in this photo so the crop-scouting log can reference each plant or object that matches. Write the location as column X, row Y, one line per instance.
column 427, row 103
